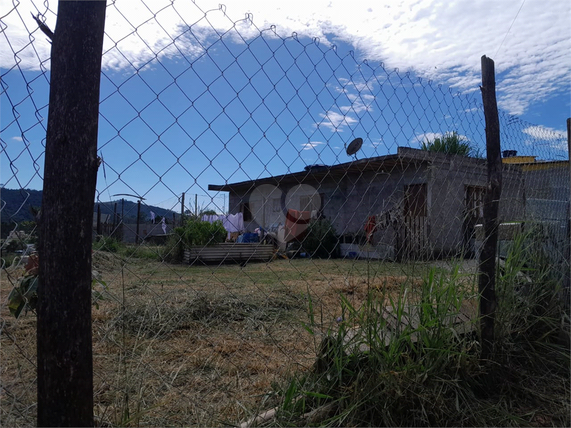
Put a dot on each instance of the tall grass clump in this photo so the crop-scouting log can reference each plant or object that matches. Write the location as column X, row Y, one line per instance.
column 532, row 325
column 394, row 361
column 406, row 360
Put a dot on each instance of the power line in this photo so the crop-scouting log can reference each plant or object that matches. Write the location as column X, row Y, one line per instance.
column 505, row 37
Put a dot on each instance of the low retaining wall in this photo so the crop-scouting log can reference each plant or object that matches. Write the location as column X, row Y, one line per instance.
column 229, row 252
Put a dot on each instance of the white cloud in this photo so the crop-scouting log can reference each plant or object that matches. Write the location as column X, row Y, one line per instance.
column 312, row 145
column 544, row 133
column 17, row 138
column 136, row 32
column 335, row 122
column 442, row 41
column 552, row 137
column 376, row 144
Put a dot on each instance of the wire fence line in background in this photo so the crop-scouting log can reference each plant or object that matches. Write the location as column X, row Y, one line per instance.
column 186, row 332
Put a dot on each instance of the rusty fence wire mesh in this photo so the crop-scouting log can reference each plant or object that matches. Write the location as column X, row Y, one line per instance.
column 311, row 159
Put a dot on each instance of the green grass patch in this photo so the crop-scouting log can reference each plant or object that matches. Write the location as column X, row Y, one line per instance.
column 403, row 363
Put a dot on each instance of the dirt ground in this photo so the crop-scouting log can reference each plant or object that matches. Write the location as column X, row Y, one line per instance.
column 198, row 345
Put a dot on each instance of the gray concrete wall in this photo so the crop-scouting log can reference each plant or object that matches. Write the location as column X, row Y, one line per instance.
column 550, row 183
column 547, row 193
column 449, row 177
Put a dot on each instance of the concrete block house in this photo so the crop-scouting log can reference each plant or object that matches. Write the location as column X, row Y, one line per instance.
column 410, row 205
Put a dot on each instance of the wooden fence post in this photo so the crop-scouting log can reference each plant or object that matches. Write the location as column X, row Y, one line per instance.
column 568, row 275
column 64, row 342
column 122, row 220
column 182, row 210
column 99, row 230
column 487, row 271
column 114, row 219
column 138, row 221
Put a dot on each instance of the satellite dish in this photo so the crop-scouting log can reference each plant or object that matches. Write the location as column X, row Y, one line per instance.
column 354, row 147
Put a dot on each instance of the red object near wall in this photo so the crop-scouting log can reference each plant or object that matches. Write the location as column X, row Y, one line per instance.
column 296, row 224
column 370, row 227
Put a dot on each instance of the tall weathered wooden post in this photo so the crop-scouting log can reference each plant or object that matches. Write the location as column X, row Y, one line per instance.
column 487, row 274
column 64, row 355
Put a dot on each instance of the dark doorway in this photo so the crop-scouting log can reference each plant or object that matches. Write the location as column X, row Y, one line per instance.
column 415, row 229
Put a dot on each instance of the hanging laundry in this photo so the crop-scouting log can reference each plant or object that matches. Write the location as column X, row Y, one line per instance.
column 233, row 223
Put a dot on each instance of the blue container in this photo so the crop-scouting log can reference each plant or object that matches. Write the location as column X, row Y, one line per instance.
column 248, row 237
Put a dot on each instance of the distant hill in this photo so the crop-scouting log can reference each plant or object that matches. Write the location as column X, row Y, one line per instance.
column 16, row 207
column 130, row 210
column 15, row 204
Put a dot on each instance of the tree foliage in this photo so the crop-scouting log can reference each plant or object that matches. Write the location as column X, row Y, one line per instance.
column 451, row 143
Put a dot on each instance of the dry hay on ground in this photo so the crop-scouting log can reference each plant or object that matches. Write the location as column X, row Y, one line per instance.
column 104, row 262
column 181, row 345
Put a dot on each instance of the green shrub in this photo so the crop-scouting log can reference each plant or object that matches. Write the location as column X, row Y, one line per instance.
column 197, row 232
column 193, row 232
column 107, row 243
column 321, row 240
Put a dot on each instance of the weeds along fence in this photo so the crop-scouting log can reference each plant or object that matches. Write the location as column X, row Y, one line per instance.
column 357, row 176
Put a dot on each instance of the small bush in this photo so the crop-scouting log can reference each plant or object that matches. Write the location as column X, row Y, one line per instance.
column 198, row 232
column 321, row 240
column 107, row 243
column 194, row 232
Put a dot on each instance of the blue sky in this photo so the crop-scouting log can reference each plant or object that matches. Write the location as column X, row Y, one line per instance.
column 198, row 94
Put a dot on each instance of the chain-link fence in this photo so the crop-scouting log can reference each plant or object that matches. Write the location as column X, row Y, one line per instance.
column 247, row 181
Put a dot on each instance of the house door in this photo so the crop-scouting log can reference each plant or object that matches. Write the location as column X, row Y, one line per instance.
column 415, row 243
column 473, row 215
